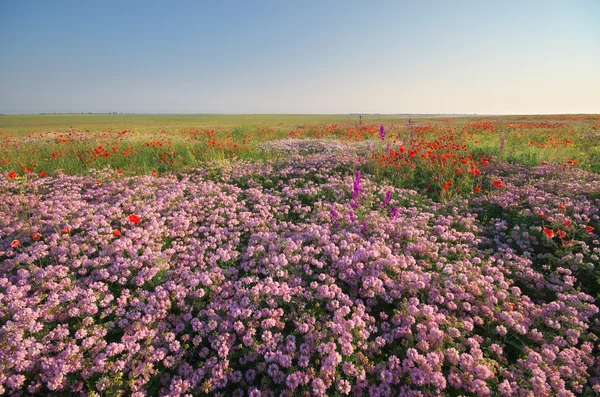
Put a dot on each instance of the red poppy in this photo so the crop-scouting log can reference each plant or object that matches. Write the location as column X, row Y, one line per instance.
column 12, row 175
column 566, row 243
column 15, row 243
column 66, row 230
column 561, row 234
column 445, row 187
column 134, row 218
column 544, row 163
column 36, row 236
column 477, row 190
column 567, row 223
column 589, row 229
column 427, row 185
column 561, row 207
column 459, row 171
column 498, row 184
column 541, row 214
column 548, row 232
column 116, row 233
column 43, row 173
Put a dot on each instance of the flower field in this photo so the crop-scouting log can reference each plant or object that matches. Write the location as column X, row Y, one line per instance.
column 422, row 258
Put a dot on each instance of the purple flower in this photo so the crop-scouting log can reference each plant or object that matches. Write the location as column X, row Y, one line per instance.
column 364, row 227
column 382, row 132
column 334, row 213
column 357, row 188
column 502, row 144
column 388, row 197
column 394, row 213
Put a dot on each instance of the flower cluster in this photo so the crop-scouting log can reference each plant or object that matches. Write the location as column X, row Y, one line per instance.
column 260, row 279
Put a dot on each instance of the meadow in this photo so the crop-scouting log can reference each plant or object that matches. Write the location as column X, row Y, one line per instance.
column 267, row 255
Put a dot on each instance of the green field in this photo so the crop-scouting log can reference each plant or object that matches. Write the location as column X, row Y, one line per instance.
column 141, row 144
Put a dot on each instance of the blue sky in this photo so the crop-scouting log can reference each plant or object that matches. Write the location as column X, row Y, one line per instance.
column 486, row 57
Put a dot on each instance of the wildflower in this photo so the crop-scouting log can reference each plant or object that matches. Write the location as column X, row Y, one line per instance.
column 134, row 218
column 477, row 189
column 548, row 232
column 394, row 213
column 116, row 233
column 589, row 229
column 12, row 174
column 382, row 132
column 427, row 185
column 334, row 213
column 567, row 223
column 561, row 234
column 357, row 188
column 352, row 215
column 43, row 174
column 65, row 230
column 15, row 243
column 502, row 144
column 498, row 184
column 36, row 236
column 459, row 171
column 388, row 197
column 561, row 207
column 541, row 215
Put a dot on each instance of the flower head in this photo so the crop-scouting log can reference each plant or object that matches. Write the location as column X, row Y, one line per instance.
column 134, row 218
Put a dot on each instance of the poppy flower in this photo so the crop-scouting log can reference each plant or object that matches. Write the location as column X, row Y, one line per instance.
column 589, row 229
column 548, row 232
column 477, row 190
column 65, row 230
column 567, row 223
column 541, row 214
column 134, row 218
column 498, row 184
column 561, row 207
column 15, row 243
column 561, row 234
column 459, row 171
column 116, row 233
column 12, row 175
column 427, row 185
column 36, row 236
column 43, row 173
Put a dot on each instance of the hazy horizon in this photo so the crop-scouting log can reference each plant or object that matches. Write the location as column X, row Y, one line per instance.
column 341, row 57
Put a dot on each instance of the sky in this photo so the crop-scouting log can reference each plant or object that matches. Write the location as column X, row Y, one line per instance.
column 327, row 56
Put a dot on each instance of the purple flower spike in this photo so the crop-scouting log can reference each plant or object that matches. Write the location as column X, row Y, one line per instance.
column 352, row 218
column 382, row 132
column 502, row 144
column 394, row 213
column 364, row 227
column 357, row 188
column 334, row 213
column 388, row 197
